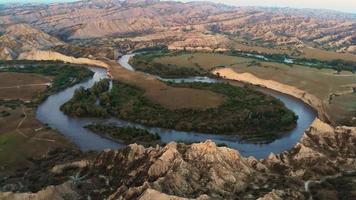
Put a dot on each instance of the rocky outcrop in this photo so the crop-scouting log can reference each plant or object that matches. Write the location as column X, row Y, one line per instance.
column 188, row 171
column 60, row 192
column 51, row 55
column 7, row 54
column 205, row 171
column 58, row 169
column 150, row 194
column 201, row 42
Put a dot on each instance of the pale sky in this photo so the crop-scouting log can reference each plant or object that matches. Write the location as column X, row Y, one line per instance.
column 341, row 5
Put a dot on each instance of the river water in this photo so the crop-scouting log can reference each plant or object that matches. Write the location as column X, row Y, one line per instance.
column 49, row 113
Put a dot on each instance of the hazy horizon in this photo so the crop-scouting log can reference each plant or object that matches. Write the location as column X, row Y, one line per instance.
column 338, row 5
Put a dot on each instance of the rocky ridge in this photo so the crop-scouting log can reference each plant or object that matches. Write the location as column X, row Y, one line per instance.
column 205, row 171
column 180, row 24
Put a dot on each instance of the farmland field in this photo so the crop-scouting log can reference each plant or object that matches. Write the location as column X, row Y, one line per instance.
column 22, row 86
column 20, row 130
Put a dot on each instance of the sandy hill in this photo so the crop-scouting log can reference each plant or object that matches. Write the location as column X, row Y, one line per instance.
column 23, row 37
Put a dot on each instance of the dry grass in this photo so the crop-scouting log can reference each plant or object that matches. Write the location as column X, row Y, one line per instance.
column 327, row 55
column 321, row 83
column 167, row 96
column 21, row 85
column 307, row 52
column 344, row 106
column 20, row 141
column 21, row 134
column 206, row 61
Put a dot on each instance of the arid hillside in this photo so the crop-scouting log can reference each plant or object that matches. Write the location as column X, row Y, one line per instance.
column 22, row 37
column 196, row 24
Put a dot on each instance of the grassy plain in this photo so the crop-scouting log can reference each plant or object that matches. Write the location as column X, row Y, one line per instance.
column 165, row 95
column 319, row 54
column 206, row 61
column 334, row 89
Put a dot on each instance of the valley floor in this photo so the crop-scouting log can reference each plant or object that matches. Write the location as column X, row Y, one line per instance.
column 205, row 171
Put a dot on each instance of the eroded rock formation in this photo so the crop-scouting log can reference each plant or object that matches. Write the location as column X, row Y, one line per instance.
column 205, row 171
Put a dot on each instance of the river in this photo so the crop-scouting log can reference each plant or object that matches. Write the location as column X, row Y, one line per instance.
column 49, row 113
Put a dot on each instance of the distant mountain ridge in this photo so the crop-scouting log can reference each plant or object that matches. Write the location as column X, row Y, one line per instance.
column 193, row 24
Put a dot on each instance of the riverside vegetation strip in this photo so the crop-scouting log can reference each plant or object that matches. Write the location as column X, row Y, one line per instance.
column 245, row 112
column 177, row 64
column 127, row 135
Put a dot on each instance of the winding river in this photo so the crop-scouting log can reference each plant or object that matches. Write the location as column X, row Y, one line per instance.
column 49, row 113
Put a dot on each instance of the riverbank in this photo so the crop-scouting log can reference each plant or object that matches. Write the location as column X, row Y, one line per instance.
column 248, row 78
column 86, row 140
column 328, row 86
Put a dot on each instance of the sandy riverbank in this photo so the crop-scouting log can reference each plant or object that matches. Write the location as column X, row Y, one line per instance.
column 52, row 55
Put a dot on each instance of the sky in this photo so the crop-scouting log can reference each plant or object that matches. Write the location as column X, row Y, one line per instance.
column 340, row 5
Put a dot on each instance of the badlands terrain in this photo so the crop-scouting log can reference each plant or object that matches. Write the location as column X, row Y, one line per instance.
column 252, row 58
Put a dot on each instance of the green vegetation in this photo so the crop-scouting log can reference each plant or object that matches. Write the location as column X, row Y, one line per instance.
column 323, row 79
column 13, row 104
column 336, row 64
column 150, row 63
column 246, row 112
column 127, row 135
column 153, row 48
column 85, row 102
column 65, row 75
